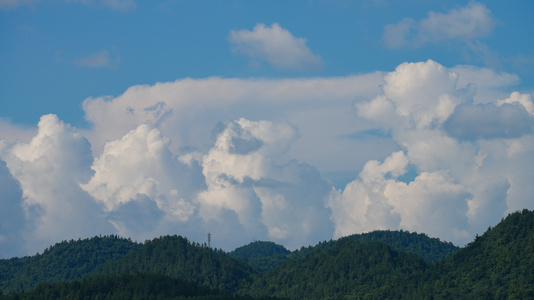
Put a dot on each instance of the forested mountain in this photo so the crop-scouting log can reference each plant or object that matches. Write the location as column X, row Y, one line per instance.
column 431, row 249
column 176, row 257
column 259, row 249
column 349, row 268
column 499, row 264
column 63, row 261
column 377, row 265
column 261, row 256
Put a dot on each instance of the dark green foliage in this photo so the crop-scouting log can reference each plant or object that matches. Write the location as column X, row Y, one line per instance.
column 431, row 249
column 349, row 268
column 262, row 256
column 176, row 257
column 498, row 264
column 126, row 286
column 63, row 261
column 377, row 265
column 259, row 249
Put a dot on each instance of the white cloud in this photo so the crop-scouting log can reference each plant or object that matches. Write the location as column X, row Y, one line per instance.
column 464, row 24
column 49, row 169
column 244, row 160
column 466, row 156
column 187, row 110
column 285, row 201
column 275, row 45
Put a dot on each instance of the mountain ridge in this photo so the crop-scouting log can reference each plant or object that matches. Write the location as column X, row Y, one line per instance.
column 497, row 264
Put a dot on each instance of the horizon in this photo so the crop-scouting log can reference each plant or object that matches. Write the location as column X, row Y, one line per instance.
column 291, row 122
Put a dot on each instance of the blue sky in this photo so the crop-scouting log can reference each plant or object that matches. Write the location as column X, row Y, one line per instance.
column 147, row 42
column 291, row 121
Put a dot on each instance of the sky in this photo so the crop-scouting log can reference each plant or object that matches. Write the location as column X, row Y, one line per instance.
column 289, row 121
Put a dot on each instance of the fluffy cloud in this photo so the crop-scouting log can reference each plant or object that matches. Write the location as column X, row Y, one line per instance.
column 464, row 154
column 275, row 45
column 465, row 24
column 286, row 201
column 187, row 110
column 50, row 169
column 425, row 152
column 12, row 216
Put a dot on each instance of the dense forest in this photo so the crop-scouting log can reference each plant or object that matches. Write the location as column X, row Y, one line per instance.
column 377, row 265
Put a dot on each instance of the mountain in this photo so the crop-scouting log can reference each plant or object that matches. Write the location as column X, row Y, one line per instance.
column 378, row 265
column 431, row 249
column 499, row 264
column 261, row 256
column 259, row 249
column 350, row 269
column 176, row 257
column 64, row 261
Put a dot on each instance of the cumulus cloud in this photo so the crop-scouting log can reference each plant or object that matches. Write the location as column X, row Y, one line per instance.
column 464, row 24
column 246, row 159
column 275, row 45
column 488, row 121
column 12, row 216
column 187, row 110
column 50, row 169
column 461, row 151
column 285, row 201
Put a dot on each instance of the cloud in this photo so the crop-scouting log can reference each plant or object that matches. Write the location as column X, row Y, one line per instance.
column 464, row 24
column 286, row 201
column 432, row 203
column 12, row 215
column 49, row 170
column 463, row 153
column 275, row 45
column 187, row 110
column 247, row 159
column 489, row 121
column 98, row 60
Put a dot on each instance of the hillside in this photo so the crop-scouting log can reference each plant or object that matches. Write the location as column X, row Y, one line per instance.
column 349, row 268
column 64, row 261
column 431, row 249
column 261, row 256
column 498, row 264
column 176, row 257
column 126, row 286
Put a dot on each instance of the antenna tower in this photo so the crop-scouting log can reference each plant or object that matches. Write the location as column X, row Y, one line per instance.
column 209, row 240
